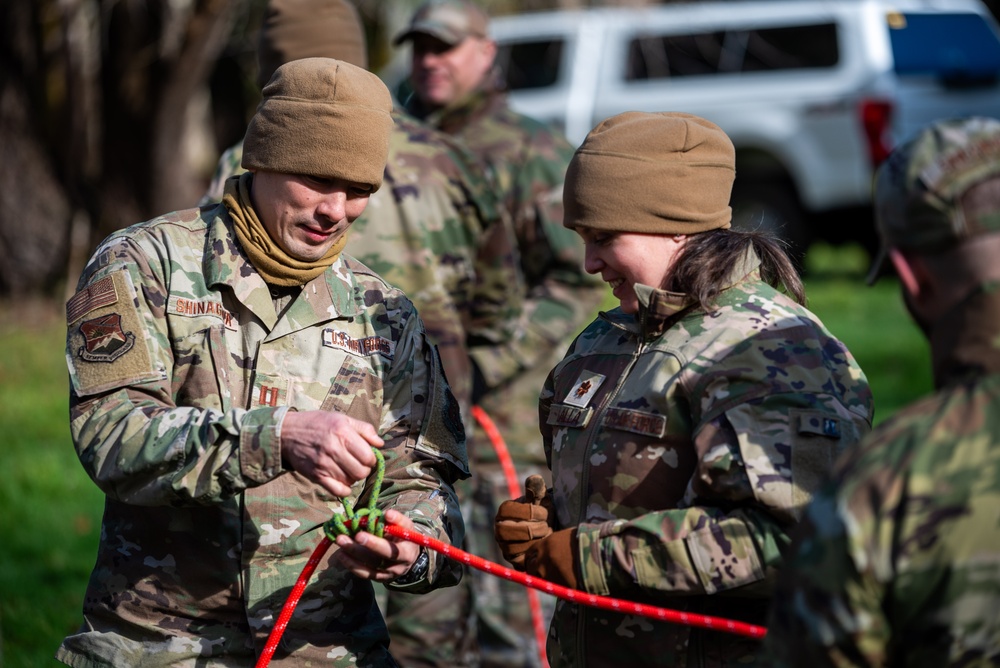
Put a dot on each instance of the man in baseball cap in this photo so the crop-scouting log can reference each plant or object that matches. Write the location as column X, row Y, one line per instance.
column 450, row 21
column 910, row 523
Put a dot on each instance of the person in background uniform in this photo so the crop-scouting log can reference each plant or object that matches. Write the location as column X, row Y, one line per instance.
column 437, row 232
column 455, row 90
column 897, row 562
column 687, row 428
column 231, row 372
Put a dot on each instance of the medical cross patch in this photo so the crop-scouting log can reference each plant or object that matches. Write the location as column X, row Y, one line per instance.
column 104, row 340
column 584, row 389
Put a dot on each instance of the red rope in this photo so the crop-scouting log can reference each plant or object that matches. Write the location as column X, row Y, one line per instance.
column 514, row 490
column 572, row 595
column 293, row 600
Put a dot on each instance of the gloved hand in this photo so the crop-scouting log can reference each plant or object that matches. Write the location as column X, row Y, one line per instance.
column 523, row 521
column 555, row 558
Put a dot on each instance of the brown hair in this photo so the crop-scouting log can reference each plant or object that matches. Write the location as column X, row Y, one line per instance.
column 704, row 266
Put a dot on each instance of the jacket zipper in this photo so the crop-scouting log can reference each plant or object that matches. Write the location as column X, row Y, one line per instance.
column 581, row 618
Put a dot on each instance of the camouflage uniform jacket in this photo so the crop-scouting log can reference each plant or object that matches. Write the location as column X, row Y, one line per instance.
column 684, row 444
column 181, row 374
column 897, row 562
column 437, row 231
column 529, row 160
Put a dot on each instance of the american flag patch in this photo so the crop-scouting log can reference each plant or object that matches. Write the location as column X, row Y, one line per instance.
column 95, row 295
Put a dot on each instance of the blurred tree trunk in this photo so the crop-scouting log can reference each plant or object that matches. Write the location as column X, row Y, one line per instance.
column 101, row 103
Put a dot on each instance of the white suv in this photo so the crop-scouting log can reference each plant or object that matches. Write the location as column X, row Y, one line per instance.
column 813, row 93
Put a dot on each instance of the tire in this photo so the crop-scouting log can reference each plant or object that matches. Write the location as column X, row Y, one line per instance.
column 772, row 208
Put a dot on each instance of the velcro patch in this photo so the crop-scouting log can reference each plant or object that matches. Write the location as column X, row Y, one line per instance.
column 108, row 349
column 584, row 389
column 197, row 307
column 637, row 422
column 366, row 347
column 269, row 391
column 97, row 294
column 820, row 424
column 561, row 415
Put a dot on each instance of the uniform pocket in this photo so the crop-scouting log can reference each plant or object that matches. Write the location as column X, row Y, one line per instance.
column 201, row 362
column 357, row 392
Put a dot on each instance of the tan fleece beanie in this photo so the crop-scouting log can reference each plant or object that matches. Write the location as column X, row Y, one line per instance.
column 654, row 173
column 294, row 29
column 321, row 117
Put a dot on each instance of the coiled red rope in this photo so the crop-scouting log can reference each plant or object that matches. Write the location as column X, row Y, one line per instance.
column 572, row 595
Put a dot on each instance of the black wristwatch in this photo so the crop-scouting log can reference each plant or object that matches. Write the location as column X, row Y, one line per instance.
column 417, row 571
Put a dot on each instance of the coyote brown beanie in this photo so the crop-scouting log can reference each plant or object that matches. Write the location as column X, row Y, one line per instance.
column 294, row 29
column 321, row 117
column 654, row 173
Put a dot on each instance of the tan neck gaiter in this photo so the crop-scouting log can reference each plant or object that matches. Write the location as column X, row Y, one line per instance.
column 277, row 267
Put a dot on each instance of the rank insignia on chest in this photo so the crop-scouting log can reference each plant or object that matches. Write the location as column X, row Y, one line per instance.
column 584, row 389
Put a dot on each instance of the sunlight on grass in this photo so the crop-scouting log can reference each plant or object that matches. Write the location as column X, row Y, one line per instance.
column 51, row 509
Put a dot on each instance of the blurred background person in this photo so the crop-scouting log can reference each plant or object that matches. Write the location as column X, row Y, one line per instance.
column 687, row 428
column 437, row 231
column 897, row 562
column 455, row 90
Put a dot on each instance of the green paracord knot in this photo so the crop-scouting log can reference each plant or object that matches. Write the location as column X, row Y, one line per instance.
column 337, row 526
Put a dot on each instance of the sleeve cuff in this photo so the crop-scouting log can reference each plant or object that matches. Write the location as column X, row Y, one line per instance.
column 260, row 444
column 591, row 553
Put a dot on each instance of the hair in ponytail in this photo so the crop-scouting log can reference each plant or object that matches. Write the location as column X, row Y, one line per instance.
column 702, row 269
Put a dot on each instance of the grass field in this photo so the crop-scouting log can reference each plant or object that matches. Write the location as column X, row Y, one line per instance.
column 50, row 516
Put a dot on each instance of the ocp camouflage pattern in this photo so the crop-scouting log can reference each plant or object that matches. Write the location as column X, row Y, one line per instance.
column 435, row 230
column 181, row 373
column 684, row 445
column 897, row 562
column 529, row 161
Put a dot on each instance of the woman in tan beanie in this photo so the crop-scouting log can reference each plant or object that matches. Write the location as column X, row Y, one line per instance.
column 687, row 428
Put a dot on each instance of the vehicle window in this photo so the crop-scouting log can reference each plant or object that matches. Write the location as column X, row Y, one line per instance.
column 526, row 65
column 660, row 57
column 794, row 47
column 947, row 45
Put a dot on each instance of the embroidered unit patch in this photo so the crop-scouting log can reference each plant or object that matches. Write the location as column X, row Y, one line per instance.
column 108, row 349
column 104, row 340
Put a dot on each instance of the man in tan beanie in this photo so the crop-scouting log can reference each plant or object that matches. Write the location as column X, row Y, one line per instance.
column 687, row 428
column 437, row 231
column 234, row 376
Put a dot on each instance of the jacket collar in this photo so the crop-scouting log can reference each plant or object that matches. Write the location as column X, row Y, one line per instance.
column 660, row 309
column 453, row 118
column 329, row 295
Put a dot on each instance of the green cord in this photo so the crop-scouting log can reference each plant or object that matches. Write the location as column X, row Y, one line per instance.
column 336, row 525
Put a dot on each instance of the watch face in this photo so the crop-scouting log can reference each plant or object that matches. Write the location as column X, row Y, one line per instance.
column 417, row 571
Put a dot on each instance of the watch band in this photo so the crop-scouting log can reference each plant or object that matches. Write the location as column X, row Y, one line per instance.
column 417, row 570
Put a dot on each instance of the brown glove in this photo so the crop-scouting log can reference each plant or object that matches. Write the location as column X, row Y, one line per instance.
column 555, row 558
column 521, row 522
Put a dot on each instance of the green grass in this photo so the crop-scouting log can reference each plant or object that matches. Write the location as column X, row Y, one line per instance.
column 51, row 511
column 50, row 516
column 873, row 324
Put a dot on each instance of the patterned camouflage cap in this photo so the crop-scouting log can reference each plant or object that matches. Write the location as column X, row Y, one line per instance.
column 450, row 21
column 939, row 189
